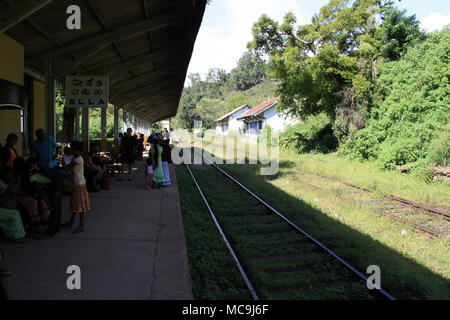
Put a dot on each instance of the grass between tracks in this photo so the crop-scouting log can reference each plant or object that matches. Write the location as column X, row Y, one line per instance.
column 212, row 269
column 411, row 262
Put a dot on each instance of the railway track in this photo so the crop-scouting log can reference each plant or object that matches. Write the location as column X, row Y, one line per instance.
column 276, row 258
column 433, row 221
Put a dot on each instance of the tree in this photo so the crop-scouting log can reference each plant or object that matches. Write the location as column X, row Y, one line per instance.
column 250, row 71
column 327, row 65
column 211, row 92
column 209, row 110
column 215, row 81
column 396, row 33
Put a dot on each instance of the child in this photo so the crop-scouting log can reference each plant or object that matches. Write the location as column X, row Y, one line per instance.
column 67, row 158
column 149, row 183
column 32, row 164
column 79, row 202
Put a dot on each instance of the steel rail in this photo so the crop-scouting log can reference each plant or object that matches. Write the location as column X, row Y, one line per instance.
column 434, row 211
column 404, row 202
column 345, row 263
column 224, row 237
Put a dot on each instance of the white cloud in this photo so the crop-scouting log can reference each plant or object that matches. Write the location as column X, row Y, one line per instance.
column 435, row 21
column 221, row 46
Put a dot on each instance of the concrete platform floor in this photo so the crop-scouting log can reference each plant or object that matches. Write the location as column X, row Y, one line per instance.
column 133, row 248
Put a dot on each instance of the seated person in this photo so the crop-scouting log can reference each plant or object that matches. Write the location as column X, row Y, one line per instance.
column 25, row 199
column 8, row 153
column 96, row 163
column 10, row 218
column 11, row 225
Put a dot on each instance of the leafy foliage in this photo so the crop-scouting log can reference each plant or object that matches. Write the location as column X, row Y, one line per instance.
column 250, row 71
column 338, row 50
column 221, row 92
column 383, row 86
column 440, row 149
column 314, row 134
column 410, row 110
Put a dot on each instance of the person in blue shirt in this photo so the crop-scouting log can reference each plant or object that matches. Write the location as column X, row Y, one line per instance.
column 46, row 149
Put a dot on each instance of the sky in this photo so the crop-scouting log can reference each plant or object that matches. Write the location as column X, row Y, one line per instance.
column 227, row 24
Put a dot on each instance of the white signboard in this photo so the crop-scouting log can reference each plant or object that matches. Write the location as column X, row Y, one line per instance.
column 87, row 91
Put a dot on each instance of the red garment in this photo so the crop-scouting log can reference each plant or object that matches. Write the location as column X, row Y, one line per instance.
column 12, row 157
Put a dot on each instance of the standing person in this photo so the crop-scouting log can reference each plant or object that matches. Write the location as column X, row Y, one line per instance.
column 140, row 147
column 8, row 153
column 45, row 148
column 166, row 159
column 128, row 153
column 167, row 134
column 155, row 154
column 120, row 142
column 79, row 202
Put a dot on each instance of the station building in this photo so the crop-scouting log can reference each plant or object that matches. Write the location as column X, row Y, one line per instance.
column 142, row 47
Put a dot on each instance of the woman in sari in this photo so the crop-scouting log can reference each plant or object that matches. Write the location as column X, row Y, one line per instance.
column 155, row 153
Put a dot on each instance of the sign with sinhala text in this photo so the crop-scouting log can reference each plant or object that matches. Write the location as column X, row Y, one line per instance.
column 87, row 91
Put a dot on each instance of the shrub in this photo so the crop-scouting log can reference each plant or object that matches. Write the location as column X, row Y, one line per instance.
column 410, row 109
column 314, row 134
column 439, row 153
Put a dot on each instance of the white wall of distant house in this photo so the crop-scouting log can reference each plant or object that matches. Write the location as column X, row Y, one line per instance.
column 233, row 124
column 277, row 120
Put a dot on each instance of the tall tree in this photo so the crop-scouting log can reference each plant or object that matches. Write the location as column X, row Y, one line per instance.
column 327, row 65
column 250, row 71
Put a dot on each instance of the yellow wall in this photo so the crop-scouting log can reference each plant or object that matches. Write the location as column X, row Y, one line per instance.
column 11, row 69
column 38, row 105
column 11, row 60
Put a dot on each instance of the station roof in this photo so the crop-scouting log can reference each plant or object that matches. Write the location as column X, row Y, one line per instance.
column 144, row 46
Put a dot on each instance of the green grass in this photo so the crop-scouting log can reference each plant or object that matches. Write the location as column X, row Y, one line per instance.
column 261, row 240
column 212, row 270
column 358, row 234
column 412, row 263
column 368, row 175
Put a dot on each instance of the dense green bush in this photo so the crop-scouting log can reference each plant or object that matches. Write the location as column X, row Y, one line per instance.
column 439, row 153
column 410, row 109
column 314, row 134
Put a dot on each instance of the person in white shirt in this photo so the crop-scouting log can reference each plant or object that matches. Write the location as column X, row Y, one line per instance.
column 79, row 202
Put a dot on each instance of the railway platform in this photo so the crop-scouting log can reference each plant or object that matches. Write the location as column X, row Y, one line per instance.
column 133, row 248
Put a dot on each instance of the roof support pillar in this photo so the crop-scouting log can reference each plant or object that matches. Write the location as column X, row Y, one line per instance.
column 85, row 129
column 134, row 123
column 116, row 130
column 77, row 124
column 103, row 129
column 124, row 120
column 50, row 95
column 130, row 120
